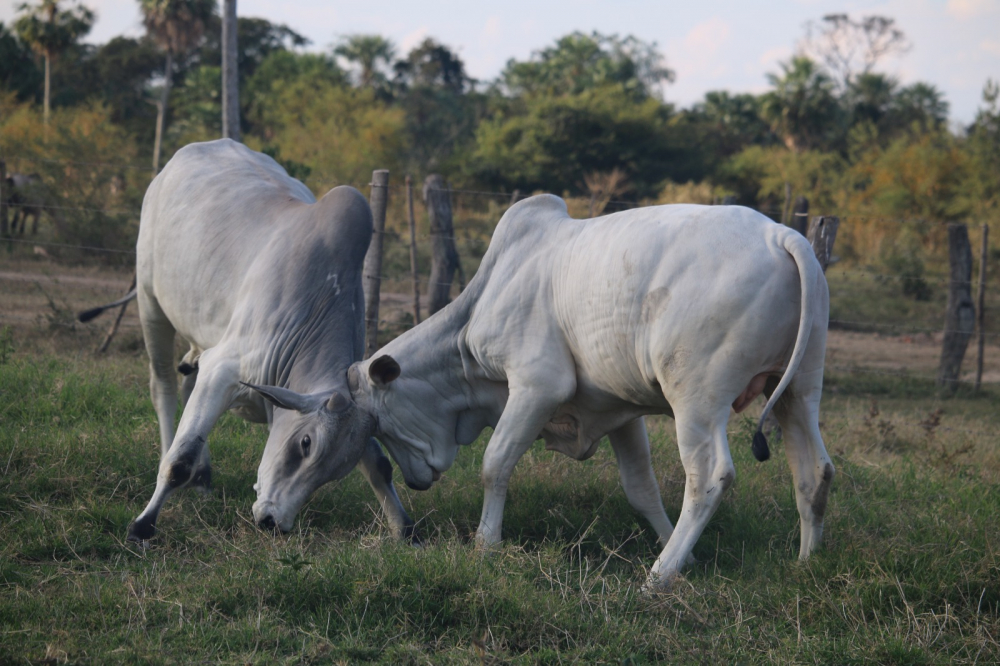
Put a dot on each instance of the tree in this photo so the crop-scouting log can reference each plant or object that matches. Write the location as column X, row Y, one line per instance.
column 920, row 103
column 176, row 26
column 18, row 72
column 556, row 141
column 432, row 89
column 801, row 108
column 50, row 31
column 848, row 47
column 581, row 62
column 369, row 52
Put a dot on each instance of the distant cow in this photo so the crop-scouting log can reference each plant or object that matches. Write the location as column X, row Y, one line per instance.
column 264, row 283
column 575, row 329
column 26, row 197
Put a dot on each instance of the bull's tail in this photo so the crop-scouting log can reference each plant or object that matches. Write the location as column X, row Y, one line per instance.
column 87, row 315
column 808, row 272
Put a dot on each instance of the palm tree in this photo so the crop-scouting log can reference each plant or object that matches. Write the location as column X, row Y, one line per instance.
column 176, row 26
column 801, row 108
column 366, row 51
column 49, row 32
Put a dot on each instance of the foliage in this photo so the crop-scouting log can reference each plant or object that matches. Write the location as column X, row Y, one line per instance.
column 801, row 108
column 91, row 192
column 340, row 133
column 580, row 62
column 371, row 54
column 553, row 142
column 17, row 68
column 49, row 30
column 850, row 47
column 177, row 26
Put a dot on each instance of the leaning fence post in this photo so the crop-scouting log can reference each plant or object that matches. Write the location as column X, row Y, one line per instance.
column 444, row 257
column 960, row 316
column 822, row 233
column 373, row 260
column 413, row 250
column 981, row 307
column 118, row 320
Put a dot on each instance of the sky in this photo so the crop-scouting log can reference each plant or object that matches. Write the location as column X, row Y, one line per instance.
column 711, row 45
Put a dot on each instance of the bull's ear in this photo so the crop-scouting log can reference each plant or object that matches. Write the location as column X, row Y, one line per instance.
column 286, row 399
column 383, row 370
column 338, row 402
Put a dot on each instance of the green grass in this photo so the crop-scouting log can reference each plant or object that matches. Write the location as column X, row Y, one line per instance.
column 909, row 573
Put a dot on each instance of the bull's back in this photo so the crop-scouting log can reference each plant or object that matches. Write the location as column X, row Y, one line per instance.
column 638, row 295
column 207, row 217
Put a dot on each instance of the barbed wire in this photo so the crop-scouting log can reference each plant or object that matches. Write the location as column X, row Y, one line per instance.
column 64, row 245
column 90, row 210
column 909, row 330
column 50, row 160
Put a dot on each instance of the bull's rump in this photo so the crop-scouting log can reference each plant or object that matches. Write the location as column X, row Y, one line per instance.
column 212, row 211
column 649, row 303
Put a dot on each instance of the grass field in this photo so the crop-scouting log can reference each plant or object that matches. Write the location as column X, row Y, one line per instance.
column 910, row 571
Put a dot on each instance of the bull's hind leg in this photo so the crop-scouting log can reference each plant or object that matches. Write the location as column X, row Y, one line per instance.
column 704, row 452
column 631, row 446
column 158, row 334
column 798, row 414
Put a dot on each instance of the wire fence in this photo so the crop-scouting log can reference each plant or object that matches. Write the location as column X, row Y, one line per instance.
column 885, row 312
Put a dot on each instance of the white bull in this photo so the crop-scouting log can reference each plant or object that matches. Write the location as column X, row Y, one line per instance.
column 575, row 329
column 264, row 283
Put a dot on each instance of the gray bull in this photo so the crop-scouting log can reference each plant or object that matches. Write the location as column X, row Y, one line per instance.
column 264, row 283
column 575, row 329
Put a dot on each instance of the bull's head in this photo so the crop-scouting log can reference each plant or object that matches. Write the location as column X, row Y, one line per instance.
column 315, row 438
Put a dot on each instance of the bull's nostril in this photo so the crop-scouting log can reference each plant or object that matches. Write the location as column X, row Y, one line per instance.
column 266, row 523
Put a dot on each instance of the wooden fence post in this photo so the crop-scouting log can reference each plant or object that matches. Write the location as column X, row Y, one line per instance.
column 786, row 207
column 960, row 317
column 822, row 233
column 729, row 200
column 515, row 196
column 444, row 257
column 981, row 309
column 800, row 215
column 413, row 250
column 372, row 274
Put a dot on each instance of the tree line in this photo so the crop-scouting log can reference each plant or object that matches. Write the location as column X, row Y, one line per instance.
column 586, row 116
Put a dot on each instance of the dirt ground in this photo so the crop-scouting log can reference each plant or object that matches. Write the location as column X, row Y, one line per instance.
column 36, row 294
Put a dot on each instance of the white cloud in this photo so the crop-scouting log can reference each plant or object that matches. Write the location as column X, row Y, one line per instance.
column 706, row 38
column 965, row 9
column 412, row 39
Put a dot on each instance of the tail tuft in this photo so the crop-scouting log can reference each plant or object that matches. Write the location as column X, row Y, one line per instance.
column 87, row 315
column 759, row 447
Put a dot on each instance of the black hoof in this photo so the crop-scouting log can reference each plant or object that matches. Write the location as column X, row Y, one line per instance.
column 410, row 534
column 141, row 530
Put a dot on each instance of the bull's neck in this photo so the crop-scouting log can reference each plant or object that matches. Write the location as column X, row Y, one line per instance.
column 313, row 352
column 432, row 351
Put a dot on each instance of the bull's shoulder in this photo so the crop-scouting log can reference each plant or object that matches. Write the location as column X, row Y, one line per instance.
column 228, row 166
column 344, row 217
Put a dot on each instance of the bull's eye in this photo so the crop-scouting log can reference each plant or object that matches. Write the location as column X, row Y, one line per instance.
column 306, row 445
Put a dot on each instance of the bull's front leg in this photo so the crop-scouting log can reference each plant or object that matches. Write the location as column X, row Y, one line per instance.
column 186, row 462
column 377, row 470
column 526, row 413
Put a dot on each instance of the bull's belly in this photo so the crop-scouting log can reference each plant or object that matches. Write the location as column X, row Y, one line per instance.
column 578, row 426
